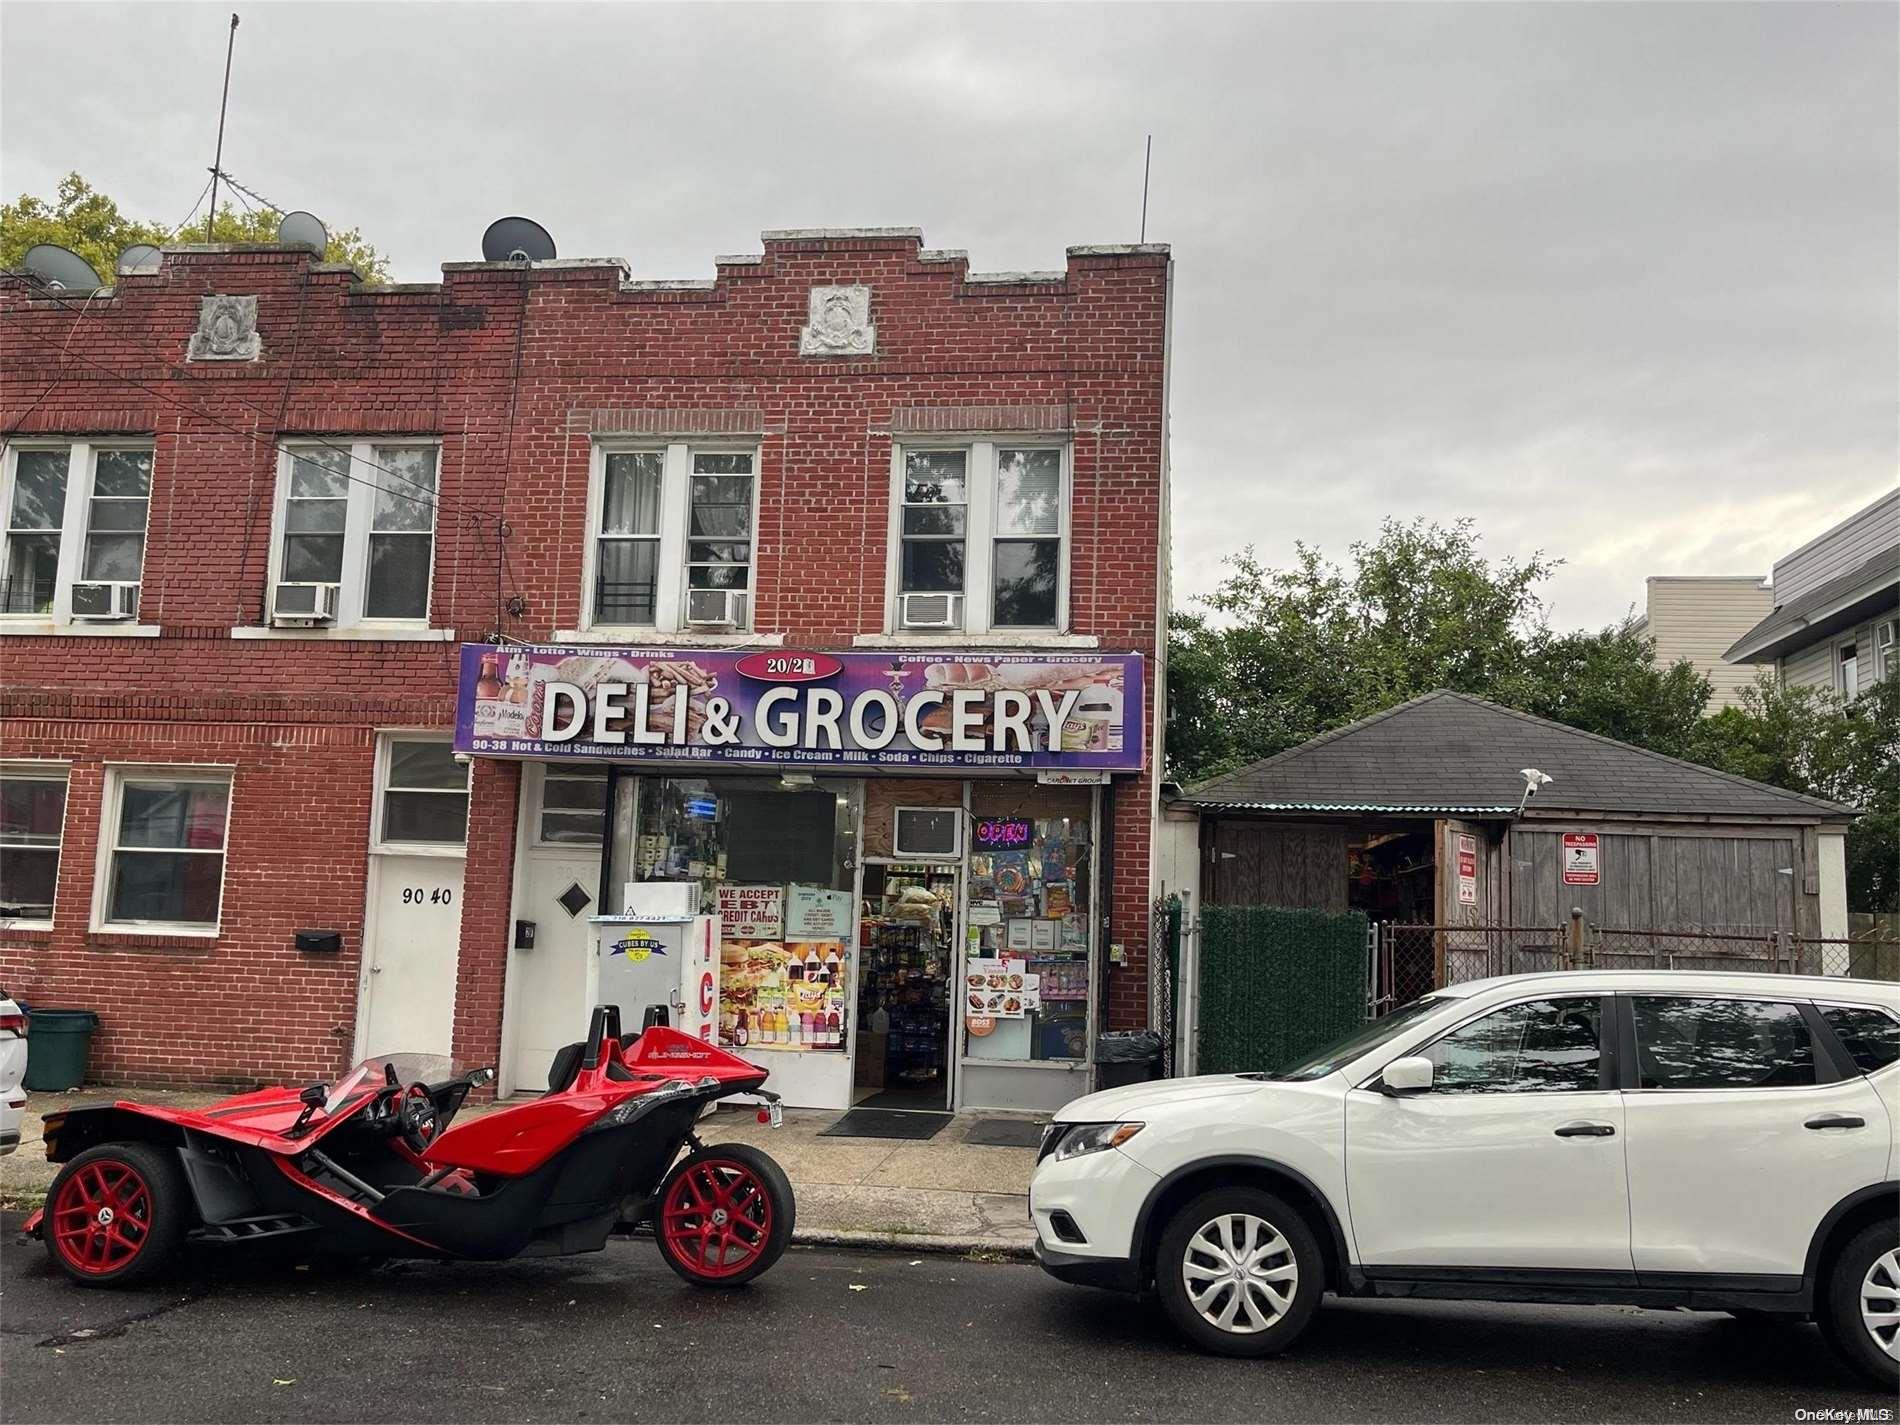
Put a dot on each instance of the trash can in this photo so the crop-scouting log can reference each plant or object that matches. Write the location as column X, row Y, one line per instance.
column 1130, row 1056
column 58, row 1042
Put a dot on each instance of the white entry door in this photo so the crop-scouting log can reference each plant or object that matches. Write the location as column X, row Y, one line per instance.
column 413, row 933
column 563, row 820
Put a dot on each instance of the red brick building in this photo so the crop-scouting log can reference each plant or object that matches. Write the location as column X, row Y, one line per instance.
column 253, row 511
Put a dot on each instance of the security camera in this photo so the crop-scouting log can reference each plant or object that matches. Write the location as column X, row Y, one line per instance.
column 463, row 759
column 1533, row 779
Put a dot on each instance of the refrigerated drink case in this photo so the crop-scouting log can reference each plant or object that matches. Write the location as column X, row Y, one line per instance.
column 658, row 961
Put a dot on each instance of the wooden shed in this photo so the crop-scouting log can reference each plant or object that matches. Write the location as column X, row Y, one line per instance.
column 1417, row 816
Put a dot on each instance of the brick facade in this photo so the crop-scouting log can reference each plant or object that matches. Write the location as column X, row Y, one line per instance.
column 517, row 371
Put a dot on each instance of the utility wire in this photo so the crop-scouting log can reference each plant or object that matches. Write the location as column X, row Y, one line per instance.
column 433, row 499
column 262, row 410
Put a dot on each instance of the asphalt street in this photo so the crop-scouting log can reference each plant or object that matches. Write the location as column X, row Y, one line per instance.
column 835, row 1335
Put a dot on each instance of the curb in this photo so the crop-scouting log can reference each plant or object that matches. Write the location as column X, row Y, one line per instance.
column 1008, row 1249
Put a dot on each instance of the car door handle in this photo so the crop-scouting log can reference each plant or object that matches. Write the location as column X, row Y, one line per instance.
column 1586, row 1130
column 1836, row 1120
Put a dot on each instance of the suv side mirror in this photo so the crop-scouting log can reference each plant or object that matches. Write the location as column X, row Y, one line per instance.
column 1407, row 1076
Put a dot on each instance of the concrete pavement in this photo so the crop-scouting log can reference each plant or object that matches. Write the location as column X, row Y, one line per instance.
column 839, row 1335
column 940, row 1194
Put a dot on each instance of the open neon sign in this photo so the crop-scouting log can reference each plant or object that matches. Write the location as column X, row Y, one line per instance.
column 996, row 832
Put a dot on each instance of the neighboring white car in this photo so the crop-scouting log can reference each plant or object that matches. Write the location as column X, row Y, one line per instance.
column 12, row 1072
column 1661, row 1138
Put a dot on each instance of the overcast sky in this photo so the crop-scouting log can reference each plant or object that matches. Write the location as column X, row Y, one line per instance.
column 1617, row 280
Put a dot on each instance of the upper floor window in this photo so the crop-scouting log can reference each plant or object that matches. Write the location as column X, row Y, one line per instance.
column 672, row 538
column 74, row 531
column 32, row 824
column 1849, row 665
column 355, row 533
column 981, row 539
column 1885, row 636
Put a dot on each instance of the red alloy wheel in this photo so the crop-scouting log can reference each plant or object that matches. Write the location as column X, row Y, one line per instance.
column 716, row 1218
column 102, row 1217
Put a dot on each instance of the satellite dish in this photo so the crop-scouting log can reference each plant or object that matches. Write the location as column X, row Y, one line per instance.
column 140, row 257
column 304, row 229
column 61, row 270
column 516, row 240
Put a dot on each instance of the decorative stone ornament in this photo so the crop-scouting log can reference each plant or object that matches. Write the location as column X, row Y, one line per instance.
column 227, row 330
column 838, row 323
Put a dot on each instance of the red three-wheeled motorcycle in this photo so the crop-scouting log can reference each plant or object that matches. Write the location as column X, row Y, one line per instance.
column 369, row 1166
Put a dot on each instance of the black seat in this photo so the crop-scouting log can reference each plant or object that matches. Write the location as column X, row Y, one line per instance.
column 566, row 1067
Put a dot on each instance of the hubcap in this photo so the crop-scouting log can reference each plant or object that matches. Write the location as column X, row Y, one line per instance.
column 1880, row 1302
column 717, row 1217
column 1240, row 1273
column 101, row 1217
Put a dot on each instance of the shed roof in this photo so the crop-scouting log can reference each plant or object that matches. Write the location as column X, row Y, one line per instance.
column 1452, row 754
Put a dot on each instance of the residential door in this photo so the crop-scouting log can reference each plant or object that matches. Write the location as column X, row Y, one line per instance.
column 413, row 929
column 564, row 821
column 1514, row 1158
column 1741, row 1135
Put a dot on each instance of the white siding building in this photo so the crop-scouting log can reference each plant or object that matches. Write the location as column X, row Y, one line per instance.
column 1697, row 617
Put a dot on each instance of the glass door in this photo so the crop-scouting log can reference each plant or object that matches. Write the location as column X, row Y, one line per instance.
column 907, row 965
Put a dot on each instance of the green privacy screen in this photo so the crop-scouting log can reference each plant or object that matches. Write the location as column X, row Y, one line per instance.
column 1277, row 984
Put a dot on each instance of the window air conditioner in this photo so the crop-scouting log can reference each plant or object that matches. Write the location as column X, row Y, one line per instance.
column 716, row 608
column 928, row 831
column 303, row 605
column 930, row 610
column 106, row 599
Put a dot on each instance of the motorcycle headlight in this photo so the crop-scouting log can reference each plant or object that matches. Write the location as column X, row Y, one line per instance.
column 1093, row 1138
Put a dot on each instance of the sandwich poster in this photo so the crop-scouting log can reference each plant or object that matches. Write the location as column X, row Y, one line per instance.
column 926, row 710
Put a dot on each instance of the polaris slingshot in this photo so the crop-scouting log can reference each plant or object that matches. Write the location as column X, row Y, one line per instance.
column 370, row 1167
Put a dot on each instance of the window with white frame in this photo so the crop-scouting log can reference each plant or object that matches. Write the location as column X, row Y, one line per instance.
column 981, row 538
column 74, row 529
column 671, row 537
column 1848, row 670
column 573, row 807
column 425, row 795
column 32, row 823
column 164, row 841
column 1885, row 636
column 355, row 533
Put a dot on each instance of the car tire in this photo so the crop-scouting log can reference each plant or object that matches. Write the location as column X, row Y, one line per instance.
column 1865, row 1278
column 1266, row 1240
column 724, row 1215
column 117, row 1214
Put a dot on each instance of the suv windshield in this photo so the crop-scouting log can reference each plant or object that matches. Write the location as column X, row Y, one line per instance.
column 1362, row 1040
column 372, row 1074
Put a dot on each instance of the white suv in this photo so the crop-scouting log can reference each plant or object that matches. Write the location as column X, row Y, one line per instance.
column 1660, row 1138
column 12, row 1072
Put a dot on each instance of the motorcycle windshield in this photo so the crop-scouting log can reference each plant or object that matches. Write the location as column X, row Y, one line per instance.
column 374, row 1074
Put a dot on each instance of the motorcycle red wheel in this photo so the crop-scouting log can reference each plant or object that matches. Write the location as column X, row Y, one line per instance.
column 725, row 1215
column 112, row 1215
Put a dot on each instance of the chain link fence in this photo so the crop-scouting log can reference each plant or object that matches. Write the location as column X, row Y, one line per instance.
column 1412, row 960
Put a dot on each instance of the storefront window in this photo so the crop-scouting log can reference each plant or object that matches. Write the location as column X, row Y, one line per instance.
column 774, row 859
column 1025, row 988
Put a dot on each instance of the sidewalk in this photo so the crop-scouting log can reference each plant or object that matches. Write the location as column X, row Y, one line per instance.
column 942, row 1194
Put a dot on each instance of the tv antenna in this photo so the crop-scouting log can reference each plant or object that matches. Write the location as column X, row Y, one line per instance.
column 60, row 269
column 1147, row 158
column 217, row 162
column 303, row 229
column 517, row 240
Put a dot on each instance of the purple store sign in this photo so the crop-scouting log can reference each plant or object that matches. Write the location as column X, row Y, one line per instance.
column 822, row 710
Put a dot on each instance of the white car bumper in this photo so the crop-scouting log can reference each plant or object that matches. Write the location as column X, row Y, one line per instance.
column 12, row 1096
column 1084, row 1211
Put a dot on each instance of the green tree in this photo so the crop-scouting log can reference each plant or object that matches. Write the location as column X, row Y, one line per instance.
column 1282, row 655
column 1806, row 740
column 91, row 224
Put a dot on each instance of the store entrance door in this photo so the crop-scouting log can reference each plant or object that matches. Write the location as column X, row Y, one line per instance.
column 907, row 961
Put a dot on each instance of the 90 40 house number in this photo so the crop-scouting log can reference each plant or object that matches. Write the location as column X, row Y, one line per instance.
column 417, row 895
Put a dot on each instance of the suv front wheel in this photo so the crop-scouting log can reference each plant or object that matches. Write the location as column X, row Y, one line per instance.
column 1239, row 1272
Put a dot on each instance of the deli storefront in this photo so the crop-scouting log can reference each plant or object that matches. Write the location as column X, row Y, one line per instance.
column 905, row 852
